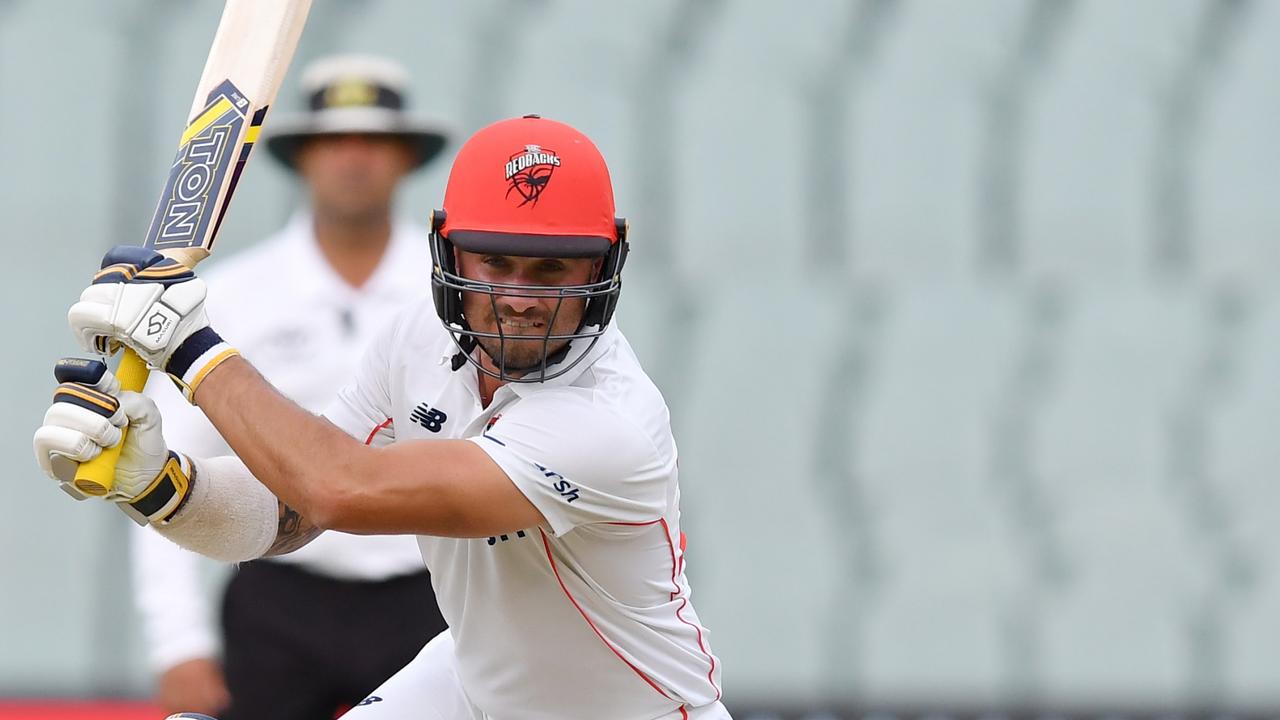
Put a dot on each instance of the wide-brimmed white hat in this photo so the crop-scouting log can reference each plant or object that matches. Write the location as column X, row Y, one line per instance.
column 355, row 94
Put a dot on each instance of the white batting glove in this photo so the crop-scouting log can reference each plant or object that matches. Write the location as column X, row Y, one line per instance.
column 87, row 413
column 155, row 306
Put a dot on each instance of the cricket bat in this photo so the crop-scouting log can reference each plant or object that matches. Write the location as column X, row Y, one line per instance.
column 250, row 54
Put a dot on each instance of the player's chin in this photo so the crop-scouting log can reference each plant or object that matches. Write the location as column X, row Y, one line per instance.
column 519, row 356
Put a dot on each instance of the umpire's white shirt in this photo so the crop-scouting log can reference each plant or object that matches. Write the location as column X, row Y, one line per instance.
column 285, row 308
column 589, row 616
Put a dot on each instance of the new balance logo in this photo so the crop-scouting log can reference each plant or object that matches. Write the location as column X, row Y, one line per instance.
column 428, row 417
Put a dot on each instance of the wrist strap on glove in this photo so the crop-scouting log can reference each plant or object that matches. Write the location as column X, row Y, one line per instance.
column 195, row 358
column 165, row 495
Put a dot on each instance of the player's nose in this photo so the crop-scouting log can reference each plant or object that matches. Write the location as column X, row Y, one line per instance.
column 522, row 306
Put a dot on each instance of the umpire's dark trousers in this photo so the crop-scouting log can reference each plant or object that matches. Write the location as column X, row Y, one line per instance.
column 300, row 646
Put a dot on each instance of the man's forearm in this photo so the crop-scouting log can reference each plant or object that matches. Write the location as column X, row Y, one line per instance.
column 291, row 451
column 292, row 531
column 426, row 487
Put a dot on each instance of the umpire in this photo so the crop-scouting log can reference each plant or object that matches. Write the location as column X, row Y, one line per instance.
column 308, row 634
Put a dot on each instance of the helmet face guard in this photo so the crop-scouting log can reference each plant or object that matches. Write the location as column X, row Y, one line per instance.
column 600, row 300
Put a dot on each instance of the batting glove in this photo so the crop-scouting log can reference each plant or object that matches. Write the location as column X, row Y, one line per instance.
column 87, row 413
column 154, row 305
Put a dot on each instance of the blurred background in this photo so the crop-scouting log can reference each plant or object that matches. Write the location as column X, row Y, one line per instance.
column 964, row 309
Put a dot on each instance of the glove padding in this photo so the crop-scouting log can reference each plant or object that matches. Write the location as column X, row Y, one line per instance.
column 142, row 299
column 150, row 480
column 154, row 305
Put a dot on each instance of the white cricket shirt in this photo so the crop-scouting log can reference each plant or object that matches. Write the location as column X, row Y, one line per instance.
column 589, row 616
column 304, row 328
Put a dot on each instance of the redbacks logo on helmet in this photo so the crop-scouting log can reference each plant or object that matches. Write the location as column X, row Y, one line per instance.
column 529, row 171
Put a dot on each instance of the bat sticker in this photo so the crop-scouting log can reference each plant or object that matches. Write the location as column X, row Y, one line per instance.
column 209, row 149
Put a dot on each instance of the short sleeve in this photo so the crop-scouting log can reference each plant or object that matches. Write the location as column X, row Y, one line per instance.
column 579, row 463
column 363, row 407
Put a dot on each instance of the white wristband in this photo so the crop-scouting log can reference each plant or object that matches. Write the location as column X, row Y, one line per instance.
column 230, row 516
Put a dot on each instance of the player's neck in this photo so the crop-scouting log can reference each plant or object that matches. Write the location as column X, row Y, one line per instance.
column 488, row 384
column 353, row 250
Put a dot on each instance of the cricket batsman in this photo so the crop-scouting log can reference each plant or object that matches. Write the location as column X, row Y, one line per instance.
column 504, row 420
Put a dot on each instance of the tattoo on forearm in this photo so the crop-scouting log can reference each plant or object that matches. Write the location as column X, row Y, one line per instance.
column 293, row 532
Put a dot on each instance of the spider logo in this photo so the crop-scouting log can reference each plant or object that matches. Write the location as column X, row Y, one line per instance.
column 529, row 171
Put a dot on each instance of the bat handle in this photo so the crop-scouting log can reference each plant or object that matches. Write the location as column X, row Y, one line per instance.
column 97, row 476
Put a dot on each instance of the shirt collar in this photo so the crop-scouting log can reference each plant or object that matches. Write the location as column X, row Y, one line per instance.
column 406, row 266
column 403, row 270
column 311, row 274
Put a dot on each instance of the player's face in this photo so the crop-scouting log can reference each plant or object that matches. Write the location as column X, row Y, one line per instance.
column 353, row 178
column 522, row 319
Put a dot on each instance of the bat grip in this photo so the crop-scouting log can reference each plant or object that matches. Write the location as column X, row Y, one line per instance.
column 97, row 476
